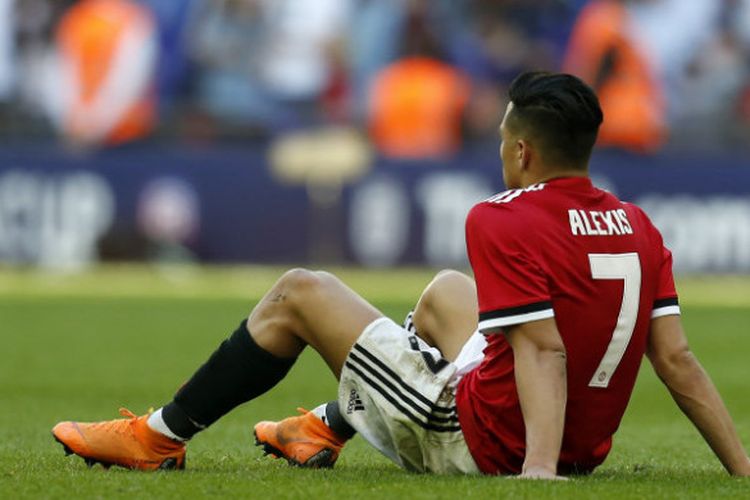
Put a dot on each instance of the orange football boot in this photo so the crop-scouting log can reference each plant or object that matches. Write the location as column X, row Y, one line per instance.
column 304, row 441
column 129, row 443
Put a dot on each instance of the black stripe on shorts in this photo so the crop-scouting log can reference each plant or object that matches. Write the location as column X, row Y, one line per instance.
column 404, row 385
column 393, row 390
column 399, row 406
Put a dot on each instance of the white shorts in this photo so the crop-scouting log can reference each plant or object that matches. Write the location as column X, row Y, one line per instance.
column 399, row 394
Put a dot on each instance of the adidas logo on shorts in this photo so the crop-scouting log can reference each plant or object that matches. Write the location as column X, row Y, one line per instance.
column 355, row 404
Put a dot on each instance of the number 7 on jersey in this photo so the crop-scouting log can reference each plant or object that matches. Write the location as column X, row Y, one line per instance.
column 626, row 267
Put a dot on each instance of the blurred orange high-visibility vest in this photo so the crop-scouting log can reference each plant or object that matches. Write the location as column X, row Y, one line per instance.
column 90, row 34
column 602, row 53
column 416, row 106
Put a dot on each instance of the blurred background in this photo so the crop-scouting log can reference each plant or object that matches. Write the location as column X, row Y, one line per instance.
column 349, row 131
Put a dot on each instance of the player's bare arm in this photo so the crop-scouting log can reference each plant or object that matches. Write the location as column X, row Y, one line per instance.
column 694, row 392
column 540, row 371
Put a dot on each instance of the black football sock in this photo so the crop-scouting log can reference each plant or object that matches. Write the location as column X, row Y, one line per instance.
column 336, row 422
column 238, row 371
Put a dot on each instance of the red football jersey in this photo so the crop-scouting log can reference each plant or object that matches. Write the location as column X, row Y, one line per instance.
column 569, row 251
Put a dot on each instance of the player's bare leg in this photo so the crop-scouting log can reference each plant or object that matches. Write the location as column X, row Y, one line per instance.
column 445, row 317
column 303, row 307
column 446, row 313
column 315, row 308
column 310, row 308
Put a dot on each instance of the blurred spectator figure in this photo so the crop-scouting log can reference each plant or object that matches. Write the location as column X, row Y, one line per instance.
column 544, row 25
column 707, row 109
column 304, row 42
column 374, row 39
column 173, row 68
column 32, row 25
column 741, row 21
column 107, row 58
column 417, row 103
column 270, row 63
column 497, row 41
column 7, row 49
column 492, row 51
column 605, row 53
column 677, row 35
column 742, row 28
column 224, row 47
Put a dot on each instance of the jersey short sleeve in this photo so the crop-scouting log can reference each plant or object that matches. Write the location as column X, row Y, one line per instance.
column 511, row 286
column 665, row 302
column 666, row 295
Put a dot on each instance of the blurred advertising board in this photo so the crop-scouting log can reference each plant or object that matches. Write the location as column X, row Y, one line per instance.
column 65, row 210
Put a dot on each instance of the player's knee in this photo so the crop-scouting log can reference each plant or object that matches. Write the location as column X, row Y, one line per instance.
column 447, row 274
column 300, row 279
column 441, row 286
column 449, row 294
column 299, row 285
column 450, row 277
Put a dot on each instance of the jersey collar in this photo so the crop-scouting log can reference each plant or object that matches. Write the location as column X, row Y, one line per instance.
column 575, row 183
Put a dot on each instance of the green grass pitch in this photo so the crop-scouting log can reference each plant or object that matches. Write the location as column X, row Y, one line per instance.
column 79, row 346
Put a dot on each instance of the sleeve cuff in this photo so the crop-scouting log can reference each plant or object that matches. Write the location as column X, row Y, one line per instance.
column 665, row 307
column 499, row 318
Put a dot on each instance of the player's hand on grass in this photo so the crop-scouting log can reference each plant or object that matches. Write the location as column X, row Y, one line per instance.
column 743, row 470
column 540, row 473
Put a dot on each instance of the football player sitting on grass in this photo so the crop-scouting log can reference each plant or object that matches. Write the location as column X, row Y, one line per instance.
column 527, row 369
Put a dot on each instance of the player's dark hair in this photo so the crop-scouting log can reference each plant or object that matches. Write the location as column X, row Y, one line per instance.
column 560, row 112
